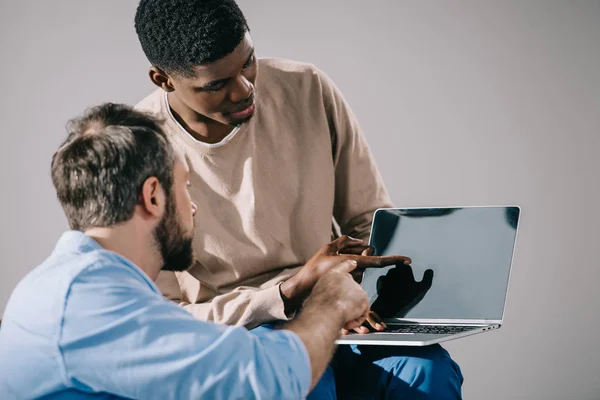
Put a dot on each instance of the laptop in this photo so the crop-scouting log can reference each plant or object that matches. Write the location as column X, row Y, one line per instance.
column 457, row 282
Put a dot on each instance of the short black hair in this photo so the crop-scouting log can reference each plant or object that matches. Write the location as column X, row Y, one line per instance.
column 177, row 35
column 99, row 170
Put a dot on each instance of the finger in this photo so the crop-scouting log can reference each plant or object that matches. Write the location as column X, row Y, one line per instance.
column 374, row 322
column 367, row 309
column 375, row 261
column 369, row 251
column 358, row 250
column 347, row 241
column 366, row 315
column 361, row 330
column 345, row 331
column 375, row 317
column 355, row 323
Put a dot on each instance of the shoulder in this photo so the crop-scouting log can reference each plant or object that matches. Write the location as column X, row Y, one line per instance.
column 295, row 81
column 286, row 67
column 102, row 268
column 279, row 72
column 153, row 103
column 39, row 301
column 109, row 290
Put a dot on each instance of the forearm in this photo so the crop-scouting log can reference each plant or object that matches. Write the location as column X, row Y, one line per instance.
column 318, row 327
column 242, row 307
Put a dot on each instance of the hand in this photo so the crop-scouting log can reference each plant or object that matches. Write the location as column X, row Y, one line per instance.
column 336, row 302
column 363, row 250
column 337, row 292
column 297, row 288
column 373, row 320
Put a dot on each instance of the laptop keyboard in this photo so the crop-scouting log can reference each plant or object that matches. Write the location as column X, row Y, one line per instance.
column 434, row 329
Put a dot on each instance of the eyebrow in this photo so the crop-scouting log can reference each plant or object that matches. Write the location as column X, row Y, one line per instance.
column 225, row 80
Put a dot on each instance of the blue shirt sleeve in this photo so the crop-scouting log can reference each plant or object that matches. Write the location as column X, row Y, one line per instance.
column 120, row 336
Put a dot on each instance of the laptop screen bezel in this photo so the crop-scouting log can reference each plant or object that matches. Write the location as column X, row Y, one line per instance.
column 461, row 320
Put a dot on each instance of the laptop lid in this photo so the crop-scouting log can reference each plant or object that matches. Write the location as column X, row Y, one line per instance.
column 461, row 261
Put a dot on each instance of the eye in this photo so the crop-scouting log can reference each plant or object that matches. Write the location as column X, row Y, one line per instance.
column 250, row 61
column 214, row 87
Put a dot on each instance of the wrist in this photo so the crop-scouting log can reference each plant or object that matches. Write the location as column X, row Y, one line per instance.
column 326, row 310
column 290, row 294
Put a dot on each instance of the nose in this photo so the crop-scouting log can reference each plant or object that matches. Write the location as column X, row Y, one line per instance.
column 241, row 90
column 194, row 209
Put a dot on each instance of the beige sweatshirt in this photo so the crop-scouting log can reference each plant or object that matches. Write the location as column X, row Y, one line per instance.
column 268, row 194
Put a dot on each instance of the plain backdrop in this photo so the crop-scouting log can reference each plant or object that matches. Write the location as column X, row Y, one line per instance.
column 462, row 103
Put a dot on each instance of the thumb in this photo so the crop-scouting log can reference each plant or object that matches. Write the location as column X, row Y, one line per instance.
column 346, row 266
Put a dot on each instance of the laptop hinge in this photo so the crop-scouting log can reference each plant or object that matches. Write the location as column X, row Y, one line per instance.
column 443, row 321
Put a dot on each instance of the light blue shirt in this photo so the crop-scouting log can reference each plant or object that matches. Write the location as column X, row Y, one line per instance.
column 88, row 323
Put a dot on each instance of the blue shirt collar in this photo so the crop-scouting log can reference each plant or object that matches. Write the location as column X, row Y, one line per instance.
column 76, row 242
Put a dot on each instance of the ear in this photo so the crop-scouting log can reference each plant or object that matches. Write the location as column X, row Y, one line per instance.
column 161, row 79
column 152, row 197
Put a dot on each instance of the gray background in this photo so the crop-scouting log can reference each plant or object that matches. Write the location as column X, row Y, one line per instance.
column 462, row 102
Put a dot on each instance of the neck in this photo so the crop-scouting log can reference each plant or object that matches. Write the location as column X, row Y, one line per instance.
column 131, row 242
column 199, row 126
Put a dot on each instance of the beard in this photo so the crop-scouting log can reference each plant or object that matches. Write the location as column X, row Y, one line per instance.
column 175, row 246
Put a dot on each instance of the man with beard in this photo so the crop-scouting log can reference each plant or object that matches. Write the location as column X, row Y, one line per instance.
column 89, row 322
column 279, row 158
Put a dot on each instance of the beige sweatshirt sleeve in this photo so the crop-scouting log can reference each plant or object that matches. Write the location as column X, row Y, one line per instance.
column 359, row 188
column 244, row 306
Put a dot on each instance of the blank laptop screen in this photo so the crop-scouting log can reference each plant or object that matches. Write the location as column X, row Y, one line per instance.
column 461, row 260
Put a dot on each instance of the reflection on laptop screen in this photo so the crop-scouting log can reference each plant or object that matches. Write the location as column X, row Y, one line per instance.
column 461, row 260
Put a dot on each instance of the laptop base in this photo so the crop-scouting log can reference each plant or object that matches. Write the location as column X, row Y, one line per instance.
column 409, row 339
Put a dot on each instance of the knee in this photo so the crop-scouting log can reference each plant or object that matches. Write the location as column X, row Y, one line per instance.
column 430, row 372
